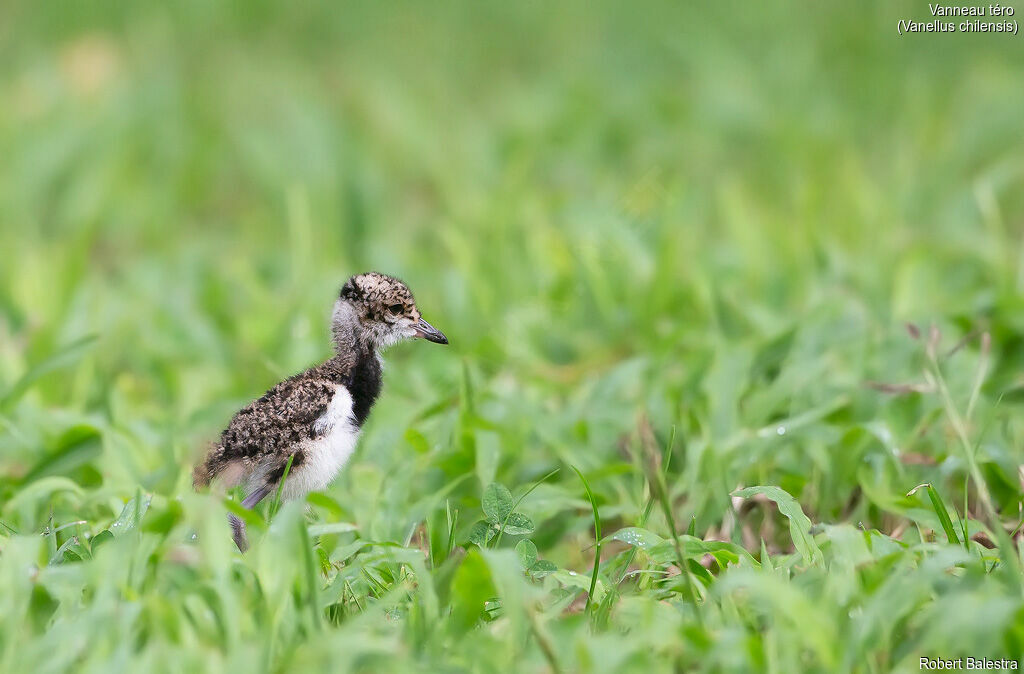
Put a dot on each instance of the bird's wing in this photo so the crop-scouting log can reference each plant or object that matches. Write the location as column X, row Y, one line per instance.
column 283, row 417
column 270, row 428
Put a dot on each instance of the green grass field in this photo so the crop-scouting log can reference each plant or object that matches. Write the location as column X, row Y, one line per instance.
column 680, row 251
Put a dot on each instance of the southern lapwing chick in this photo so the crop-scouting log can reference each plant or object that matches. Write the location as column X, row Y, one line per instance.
column 314, row 417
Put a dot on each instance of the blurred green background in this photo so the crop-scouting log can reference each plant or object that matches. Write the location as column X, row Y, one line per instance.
column 716, row 217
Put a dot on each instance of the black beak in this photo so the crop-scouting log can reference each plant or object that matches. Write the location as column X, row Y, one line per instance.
column 429, row 332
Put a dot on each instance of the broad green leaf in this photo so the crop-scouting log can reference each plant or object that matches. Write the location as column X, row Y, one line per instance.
column 100, row 538
column 678, row 583
column 497, row 502
column 694, row 549
column 579, row 582
column 69, row 551
column 542, row 568
column 342, row 553
column 76, row 552
column 527, row 552
column 799, row 523
column 332, row 528
column 519, row 524
column 724, row 552
column 481, row 532
column 131, row 514
column 637, row 537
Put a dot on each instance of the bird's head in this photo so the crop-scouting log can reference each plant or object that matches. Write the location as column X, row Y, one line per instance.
column 381, row 310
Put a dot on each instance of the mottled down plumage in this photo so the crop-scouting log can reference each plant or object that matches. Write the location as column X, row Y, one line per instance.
column 273, row 427
column 314, row 417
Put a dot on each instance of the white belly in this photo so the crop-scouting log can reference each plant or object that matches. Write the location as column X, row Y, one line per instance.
column 325, row 456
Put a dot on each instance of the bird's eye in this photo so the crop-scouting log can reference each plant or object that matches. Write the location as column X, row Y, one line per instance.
column 396, row 309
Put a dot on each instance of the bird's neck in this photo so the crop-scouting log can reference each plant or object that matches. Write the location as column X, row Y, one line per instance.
column 347, row 333
column 355, row 363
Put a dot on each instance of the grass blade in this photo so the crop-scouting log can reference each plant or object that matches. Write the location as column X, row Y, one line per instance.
column 63, row 357
column 276, row 503
column 799, row 523
column 940, row 509
column 597, row 537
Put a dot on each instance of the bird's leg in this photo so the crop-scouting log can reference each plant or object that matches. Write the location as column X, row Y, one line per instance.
column 249, row 502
